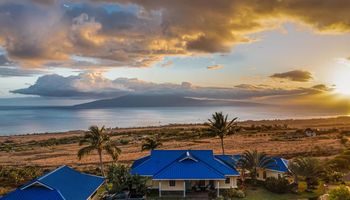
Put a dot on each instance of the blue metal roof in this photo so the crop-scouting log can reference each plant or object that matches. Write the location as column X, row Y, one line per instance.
column 281, row 164
column 182, row 164
column 34, row 193
column 63, row 183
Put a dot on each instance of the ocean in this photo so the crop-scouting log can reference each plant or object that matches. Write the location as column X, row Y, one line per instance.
column 42, row 120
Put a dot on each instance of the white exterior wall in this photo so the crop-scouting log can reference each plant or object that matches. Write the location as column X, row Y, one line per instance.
column 179, row 185
column 223, row 185
column 269, row 173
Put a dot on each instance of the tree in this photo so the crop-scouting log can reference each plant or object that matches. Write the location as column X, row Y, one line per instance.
column 151, row 144
column 277, row 185
column 309, row 168
column 221, row 126
column 339, row 193
column 254, row 160
column 122, row 180
column 97, row 139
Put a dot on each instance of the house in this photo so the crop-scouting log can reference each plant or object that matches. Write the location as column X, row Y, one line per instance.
column 310, row 133
column 63, row 183
column 182, row 171
column 279, row 169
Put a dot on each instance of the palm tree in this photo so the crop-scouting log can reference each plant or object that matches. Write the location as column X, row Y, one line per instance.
column 254, row 160
column 309, row 168
column 97, row 139
column 221, row 126
column 151, row 144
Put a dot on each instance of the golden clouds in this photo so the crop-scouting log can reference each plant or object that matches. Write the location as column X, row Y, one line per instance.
column 295, row 75
column 33, row 34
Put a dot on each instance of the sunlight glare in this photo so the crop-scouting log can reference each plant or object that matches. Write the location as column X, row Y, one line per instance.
column 342, row 78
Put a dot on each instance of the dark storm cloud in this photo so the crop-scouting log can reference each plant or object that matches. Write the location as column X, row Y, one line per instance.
column 295, row 75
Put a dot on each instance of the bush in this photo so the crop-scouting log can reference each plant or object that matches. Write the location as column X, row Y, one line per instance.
column 233, row 193
column 343, row 140
column 212, row 194
column 339, row 193
column 121, row 179
column 124, row 141
column 280, row 185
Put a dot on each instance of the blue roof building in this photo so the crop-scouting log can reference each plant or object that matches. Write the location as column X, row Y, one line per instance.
column 182, row 170
column 63, row 183
column 281, row 165
column 185, row 170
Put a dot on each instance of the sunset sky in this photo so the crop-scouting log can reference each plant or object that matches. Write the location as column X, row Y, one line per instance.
column 287, row 52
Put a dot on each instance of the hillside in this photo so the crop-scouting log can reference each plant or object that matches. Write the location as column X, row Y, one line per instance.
column 159, row 101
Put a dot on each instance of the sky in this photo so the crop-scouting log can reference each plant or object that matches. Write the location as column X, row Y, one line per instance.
column 286, row 52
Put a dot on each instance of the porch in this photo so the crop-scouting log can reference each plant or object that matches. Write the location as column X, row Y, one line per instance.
column 192, row 188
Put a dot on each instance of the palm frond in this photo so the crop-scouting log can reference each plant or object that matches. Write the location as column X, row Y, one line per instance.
column 85, row 151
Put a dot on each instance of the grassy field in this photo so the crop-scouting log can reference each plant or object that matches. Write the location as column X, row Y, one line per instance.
column 275, row 137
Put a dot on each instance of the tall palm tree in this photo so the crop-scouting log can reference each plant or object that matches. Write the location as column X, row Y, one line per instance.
column 254, row 160
column 97, row 139
column 307, row 167
column 221, row 126
column 151, row 144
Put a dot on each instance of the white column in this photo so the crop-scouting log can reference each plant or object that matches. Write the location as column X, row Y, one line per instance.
column 218, row 187
column 184, row 188
column 160, row 188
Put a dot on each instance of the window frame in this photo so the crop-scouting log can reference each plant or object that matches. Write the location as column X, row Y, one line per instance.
column 172, row 183
column 228, row 180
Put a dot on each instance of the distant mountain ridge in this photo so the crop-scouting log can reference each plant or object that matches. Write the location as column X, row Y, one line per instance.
column 159, row 101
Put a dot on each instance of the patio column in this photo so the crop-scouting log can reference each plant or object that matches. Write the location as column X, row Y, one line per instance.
column 184, row 188
column 160, row 188
column 218, row 187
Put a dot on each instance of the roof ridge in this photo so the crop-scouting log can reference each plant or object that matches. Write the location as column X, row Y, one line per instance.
column 166, row 166
column 143, row 161
column 199, row 161
column 225, row 164
column 45, row 175
column 213, row 167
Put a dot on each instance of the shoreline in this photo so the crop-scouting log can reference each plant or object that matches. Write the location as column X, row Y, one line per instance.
column 244, row 122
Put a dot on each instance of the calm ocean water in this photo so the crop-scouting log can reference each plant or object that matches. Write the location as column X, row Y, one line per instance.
column 24, row 121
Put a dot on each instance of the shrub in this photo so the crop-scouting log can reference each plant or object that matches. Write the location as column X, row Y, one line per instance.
column 339, row 193
column 124, row 141
column 332, row 176
column 233, row 193
column 121, row 179
column 280, row 185
column 212, row 194
column 343, row 140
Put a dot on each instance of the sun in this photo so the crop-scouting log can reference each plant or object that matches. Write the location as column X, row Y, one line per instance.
column 342, row 80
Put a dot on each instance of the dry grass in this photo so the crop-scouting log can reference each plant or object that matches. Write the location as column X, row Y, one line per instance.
column 50, row 156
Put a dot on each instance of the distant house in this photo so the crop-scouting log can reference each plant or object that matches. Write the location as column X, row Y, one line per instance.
column 182, row 171
column 63, row 183
column 279, row 169
column 310, row 133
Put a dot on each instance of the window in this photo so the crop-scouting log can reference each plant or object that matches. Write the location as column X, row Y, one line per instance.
column 257, row 174
column 264, row 175
column 227, row 180
column 201, row 183
column 172, row 183
column 279, row 175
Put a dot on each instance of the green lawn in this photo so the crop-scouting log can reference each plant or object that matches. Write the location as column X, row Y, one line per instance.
column 262, row 194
